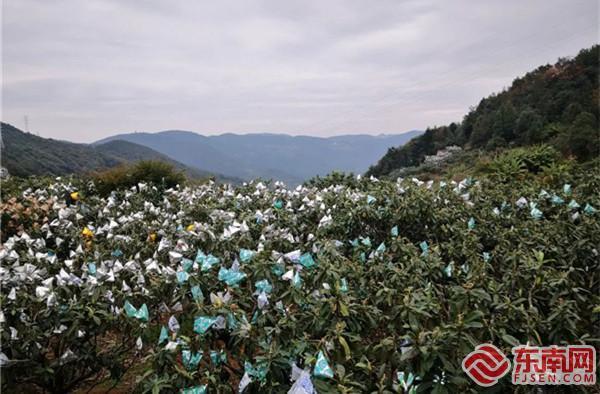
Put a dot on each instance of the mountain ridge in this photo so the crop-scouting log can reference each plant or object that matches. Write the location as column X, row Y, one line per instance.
column 291, row 158
column 57, row 157
column 267, row 134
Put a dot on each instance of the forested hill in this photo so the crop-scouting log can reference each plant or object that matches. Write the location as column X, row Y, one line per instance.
column 25, row 154
column 554, row 104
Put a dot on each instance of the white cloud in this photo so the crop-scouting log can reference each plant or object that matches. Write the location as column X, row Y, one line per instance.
column 82, row 70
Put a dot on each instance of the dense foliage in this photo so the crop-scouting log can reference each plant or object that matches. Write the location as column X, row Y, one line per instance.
column 505, row 165
column 374, row 278
column 556, row 104
column 160, row 174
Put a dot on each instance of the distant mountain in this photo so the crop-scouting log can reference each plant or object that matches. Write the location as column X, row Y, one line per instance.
column 292, row 159
column 25, row 154
column 554, row 104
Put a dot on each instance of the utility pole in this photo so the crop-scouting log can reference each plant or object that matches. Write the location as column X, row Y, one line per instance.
column 26, row 120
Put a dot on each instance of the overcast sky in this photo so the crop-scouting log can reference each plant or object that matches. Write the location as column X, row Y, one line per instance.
column 85, row 69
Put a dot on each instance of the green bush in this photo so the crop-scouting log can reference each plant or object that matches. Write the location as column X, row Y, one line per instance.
column 466, row 264
column 159, row 173
column 519, row 162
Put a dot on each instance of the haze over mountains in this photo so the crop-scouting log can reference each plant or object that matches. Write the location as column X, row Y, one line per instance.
column 292, row 159
column 227, row 157
column 25, row 154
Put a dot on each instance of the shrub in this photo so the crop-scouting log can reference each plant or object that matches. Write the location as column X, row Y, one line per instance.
column 519, row 162
column 405, row 277
column 160, row 174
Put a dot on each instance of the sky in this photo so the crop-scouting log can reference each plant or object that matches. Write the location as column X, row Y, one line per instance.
column 83, row 70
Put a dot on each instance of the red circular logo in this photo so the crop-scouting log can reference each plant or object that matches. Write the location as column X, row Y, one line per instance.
column 486, row 365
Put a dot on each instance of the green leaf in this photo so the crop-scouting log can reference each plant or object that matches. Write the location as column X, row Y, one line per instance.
column 510, row 340
column 344, row 344
column 344, row 309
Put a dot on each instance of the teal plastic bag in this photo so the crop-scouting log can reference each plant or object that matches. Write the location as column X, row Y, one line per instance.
column 448, row 270
column 195, row 390
column 424, row 248
column 307, row 261
column 297, row 280
column 218, row 357
column 182, row 277
column 164, row 335
column 203, row 323
column 208, row 262
column 588, row 209
column 573, row 205
column 567, row 189
column 141, row 314
column 278, row 269
column 200, row 256
column 322, row 368
column 381, row 248
column 343, row 285
column 555, row 200
column 187, row 264
column 371, row 199
column 197, row 294
column 231, row 277
column 231, row 321
column 130, row 310
column 471, row 224
column 535, row 213
column 278, row 204
column 258, row 372
column 366, row 241
column 263, row 286
column 92, row 269
column 190, row 360
column 394, row 231
column 406, row 381
column 486, row 257
column 246, row 255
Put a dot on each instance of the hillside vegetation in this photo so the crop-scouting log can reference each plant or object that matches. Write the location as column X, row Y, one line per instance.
column 554, row 104
column 366, row 285
column 25, row 154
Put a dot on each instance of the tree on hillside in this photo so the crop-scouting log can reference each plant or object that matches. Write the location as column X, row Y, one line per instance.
column 482, row 131
column 571, row 112
column 530, row 127
column 503, row 123
column 584, row 137
column 555, row 104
